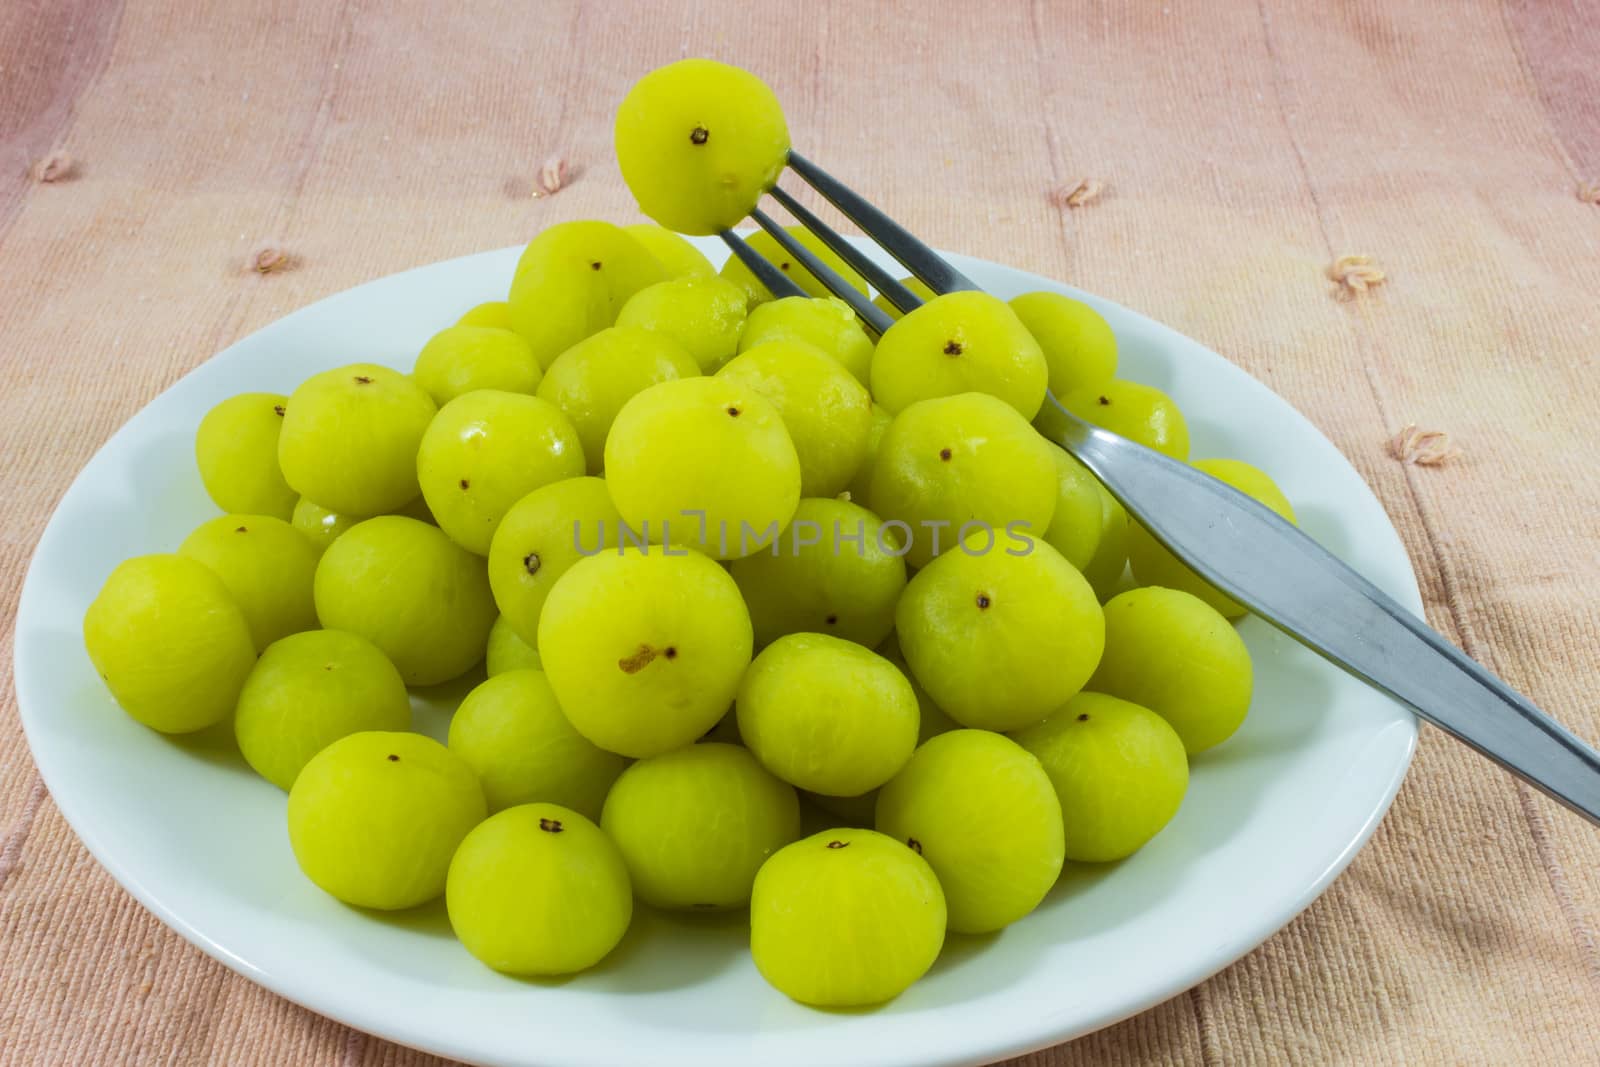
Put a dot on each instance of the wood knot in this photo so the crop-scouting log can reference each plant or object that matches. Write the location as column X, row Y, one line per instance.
column 1589, row 191
column 270, row 259
column 1355, row 275
column 553, row 177
column 1078, row 193
column 1423, row 448
column 56, row 167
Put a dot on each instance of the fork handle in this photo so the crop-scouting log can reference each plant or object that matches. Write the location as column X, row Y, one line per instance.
column 1280, row 573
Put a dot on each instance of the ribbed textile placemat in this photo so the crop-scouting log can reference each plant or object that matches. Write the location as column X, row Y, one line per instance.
column 1210, row 164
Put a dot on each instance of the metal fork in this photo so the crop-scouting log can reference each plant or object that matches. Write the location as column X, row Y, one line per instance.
column 1236, row 544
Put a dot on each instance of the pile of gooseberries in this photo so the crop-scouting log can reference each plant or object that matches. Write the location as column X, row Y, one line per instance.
column 776, row 615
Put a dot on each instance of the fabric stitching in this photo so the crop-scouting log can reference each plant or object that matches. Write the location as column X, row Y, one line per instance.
column 1065, row 231
column 10, row 212
column 310, row 145
column 1583, row 937
column 1524, row 68
column 17, row 836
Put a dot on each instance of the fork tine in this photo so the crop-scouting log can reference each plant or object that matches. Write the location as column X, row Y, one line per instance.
column 881, row 280
column 777, row 282
column 874, row 316
column 917, row 257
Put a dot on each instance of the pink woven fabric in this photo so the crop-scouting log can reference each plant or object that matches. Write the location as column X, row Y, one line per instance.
column 1207, row 164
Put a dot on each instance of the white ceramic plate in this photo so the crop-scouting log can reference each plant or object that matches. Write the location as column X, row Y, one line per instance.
column 1271, row 817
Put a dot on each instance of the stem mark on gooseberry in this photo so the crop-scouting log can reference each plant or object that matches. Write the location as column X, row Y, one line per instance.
column 916, row 846
column 277, row 409
column 953, row 348
column 1083, row 716
column 831, row 620
column 671, row 652
column 465, row 484
column 641, row 658
column 1105, row 401
column 733, row 411
column 784, row 265
column 945, row 454
column 595, row 265
column 531, row 563
column 241, row 529
column 393, row 758
column 838, row 844
column 363, row 379
column 984, row 602
column 699, row 135
column 550, row 826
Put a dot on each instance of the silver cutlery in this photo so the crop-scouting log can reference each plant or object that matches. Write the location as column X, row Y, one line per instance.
column 1230, row 540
